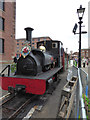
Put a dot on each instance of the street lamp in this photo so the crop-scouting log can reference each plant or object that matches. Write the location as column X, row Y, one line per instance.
column 80, row 12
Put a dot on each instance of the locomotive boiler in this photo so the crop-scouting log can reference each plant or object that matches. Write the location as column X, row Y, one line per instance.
column 33, row 62
column 36, row 62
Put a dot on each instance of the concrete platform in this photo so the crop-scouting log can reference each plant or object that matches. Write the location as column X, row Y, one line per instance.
column 50, row 109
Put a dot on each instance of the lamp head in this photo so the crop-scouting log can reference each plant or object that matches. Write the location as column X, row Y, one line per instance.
column 80, row 12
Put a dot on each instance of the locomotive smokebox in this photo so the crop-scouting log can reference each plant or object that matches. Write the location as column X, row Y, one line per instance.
column 29, row 34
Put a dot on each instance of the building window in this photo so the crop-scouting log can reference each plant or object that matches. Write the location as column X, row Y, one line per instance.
column 83, row 54
column 2, row 3
column 17, row 43
column 17, row 55
column 1, row 23
column 38, row 39
column 86, row 54
column 1, row 45
column 32, row 46
column 17, row 40
column 54, row 45
column 44, row 39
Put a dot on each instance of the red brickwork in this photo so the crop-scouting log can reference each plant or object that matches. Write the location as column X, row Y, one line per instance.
column 9, row 31
column 19, row 43
column 35, row 40
column 85, row 53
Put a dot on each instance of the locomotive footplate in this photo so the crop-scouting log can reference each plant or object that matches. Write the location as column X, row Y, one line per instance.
column 44, row 75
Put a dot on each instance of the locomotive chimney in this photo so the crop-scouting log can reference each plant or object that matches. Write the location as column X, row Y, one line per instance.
column 29, row 34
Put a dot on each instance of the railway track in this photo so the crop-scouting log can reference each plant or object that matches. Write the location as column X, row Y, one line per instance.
column 3, row 97
column 13, row 105
column 6, row 98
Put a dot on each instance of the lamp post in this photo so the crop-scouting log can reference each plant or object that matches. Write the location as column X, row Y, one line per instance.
column 80, row 12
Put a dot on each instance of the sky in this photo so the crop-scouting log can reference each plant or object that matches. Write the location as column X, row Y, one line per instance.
column 53, row 18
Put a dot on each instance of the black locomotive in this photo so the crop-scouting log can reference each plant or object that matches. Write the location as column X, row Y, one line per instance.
column 37, row 68
column 47, row 56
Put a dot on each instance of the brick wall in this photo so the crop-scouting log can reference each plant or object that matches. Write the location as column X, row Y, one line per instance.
column 19, row 43
column 85, row 53
column 9, row 31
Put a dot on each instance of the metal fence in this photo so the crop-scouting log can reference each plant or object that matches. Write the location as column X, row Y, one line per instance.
column 84, row 80
column 82, row 85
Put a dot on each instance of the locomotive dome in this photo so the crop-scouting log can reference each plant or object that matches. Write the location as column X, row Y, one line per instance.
column 42, row 48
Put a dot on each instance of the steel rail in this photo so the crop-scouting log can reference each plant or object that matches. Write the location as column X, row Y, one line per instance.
column 8, row 99
column 3, row 97
column 13, row 116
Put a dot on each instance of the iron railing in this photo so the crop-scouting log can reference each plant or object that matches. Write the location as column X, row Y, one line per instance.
column 82, row 85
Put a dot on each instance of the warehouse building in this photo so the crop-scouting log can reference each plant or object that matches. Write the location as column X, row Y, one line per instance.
column 7, row 30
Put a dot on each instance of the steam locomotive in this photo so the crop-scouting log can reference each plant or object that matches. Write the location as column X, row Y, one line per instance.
column 36, row 68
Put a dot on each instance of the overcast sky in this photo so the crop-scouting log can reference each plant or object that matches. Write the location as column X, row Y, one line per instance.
column 53, row 18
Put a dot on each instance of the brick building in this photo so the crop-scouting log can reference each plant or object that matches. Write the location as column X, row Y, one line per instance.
column 75, row 55
column 85, row 53
column 19, row 43
column 7, row 30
